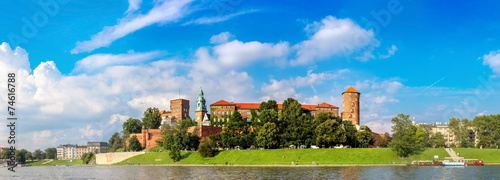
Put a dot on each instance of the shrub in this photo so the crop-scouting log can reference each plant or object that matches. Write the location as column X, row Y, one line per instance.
column 175, row 153
column 206, row 148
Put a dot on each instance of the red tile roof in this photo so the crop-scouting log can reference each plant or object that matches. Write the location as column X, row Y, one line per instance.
column 351, row 90
column 222, row 102
column 257, row 105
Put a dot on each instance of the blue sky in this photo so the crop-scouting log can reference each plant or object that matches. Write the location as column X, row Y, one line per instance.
column 89, row 65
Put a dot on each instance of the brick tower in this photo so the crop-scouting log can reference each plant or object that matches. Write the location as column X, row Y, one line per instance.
column 201, row 107
column 179, row 109
column 351, row 105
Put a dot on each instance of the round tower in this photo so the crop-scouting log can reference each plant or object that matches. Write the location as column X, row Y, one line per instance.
column 351, row 105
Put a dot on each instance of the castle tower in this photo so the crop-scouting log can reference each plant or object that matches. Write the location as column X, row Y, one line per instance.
column 351, row 105
column 179, row 109
column 201, row 107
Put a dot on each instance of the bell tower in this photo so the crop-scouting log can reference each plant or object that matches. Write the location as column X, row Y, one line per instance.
column 350, row 106
column 201, row 107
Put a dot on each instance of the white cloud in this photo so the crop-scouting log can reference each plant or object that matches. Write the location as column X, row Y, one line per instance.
column 223, row 37
column 134, row 5
column 335, row 37
column 90, row 132
column 390, row 52
column 164, row 11
column 493, row 61
column 238, row 54
column 380, row 126
column 96, row 62
column 13, row 59
column 216, row 19
column 118, row 118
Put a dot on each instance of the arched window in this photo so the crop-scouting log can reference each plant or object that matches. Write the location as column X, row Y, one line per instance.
column 353, row 105
column 352, row 110
column 350, row 115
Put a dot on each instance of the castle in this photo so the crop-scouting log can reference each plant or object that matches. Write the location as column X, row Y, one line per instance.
column 179, row 110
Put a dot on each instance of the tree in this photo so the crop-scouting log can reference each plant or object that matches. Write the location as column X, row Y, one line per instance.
column 268, row 135
column 5, row 153
column 206, row 148
column 488, row 130
column 292, row 110
column 350, row 133
column 330, row 133
column 152, row 118
column 366, row 128
column 422, row 138
column 185, row 123
column 20, row 156
column 28, row 156
column 269, row 105
column 268, row 115
column 87, row 157
column 38, row 154
column 175, row 153
column 51, row 153
column 437, row 140
column 134, row 144
column 132, row 125
column 365, row 138
column 382, row 141
column 403, row 135
column 460, row 129
column 115, row 142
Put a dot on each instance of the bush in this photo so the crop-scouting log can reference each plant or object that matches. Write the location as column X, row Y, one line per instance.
column 175, row 153
column 87, row 157
column 134, row 144
column 206, row 148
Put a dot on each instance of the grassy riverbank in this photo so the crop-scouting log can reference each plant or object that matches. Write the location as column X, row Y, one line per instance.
column 71, row 162
column 487, row 155
column 285, row 157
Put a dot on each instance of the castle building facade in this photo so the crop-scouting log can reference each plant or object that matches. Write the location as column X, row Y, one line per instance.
column 222, row 109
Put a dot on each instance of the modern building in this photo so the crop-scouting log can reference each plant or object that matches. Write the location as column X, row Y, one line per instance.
column 97, row 147
column 70, row 151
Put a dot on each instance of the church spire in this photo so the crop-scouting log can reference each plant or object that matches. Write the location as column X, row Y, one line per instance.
column 200, row 102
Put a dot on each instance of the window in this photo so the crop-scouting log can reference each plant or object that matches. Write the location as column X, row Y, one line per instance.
column 175, row 115
column 352, row 110
column 303, row 114
column 248, row 120
column 349, row 99
column 218, row 112
column 350, row 115
column 249, row 113
column 312, row 114
column 353, row 105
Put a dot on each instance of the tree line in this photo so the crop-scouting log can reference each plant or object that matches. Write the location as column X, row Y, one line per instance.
column 408, row 137
column 23, row 155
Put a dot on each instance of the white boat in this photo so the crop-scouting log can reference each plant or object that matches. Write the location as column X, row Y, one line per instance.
column 447, row 163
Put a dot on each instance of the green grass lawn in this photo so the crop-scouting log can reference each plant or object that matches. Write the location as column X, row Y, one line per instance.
column 35, row 162
column 487, row 155
column 282, row 156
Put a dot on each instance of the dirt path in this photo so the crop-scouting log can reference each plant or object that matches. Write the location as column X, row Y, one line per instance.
column 48, row 161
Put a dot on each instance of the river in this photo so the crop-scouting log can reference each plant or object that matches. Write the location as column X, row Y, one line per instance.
column 221, row 172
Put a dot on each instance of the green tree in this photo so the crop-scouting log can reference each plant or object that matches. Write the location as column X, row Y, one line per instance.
column 421, row 138
column 28, row 156
column 206, row 148
column 134, row 144
column 175, row 153
column 437, row 140
column 323, row 117
column 292, row 110
column 330, row 133
column 185, row 123
column 51, row 153
column 460, row 129
column 268, row 115
column 365, row 138
column 37, row 154
column 115, row 142
column 132, row 126
column 268, row 135
column 404, row 137
column 20, row 156
column 87, row 157
column 269, row 105
column 152, row 118
column 5, row 153
column 488, row 130
column 382, row 141
column 366, row 128
column 350, row 133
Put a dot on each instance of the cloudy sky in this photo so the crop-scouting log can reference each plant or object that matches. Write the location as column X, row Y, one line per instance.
column 83, row 67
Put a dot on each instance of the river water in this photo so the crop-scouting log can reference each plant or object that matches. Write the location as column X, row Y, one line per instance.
column 222, row 172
